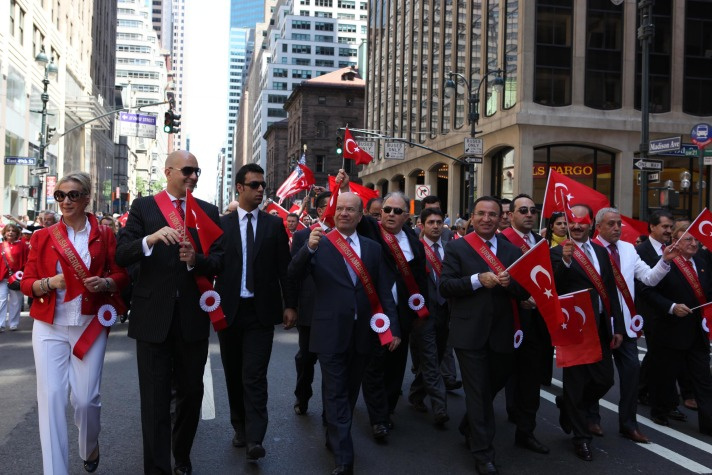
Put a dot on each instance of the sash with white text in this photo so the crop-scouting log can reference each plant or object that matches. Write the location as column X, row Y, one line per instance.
column 434, row 262
column 516, row 239
column 416, row 301
column 691, row 277
column 594, row 277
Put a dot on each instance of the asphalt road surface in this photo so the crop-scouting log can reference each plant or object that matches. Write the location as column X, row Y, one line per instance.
column 295, row 444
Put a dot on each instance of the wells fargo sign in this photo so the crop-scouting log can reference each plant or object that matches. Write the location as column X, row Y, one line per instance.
column 570, row 169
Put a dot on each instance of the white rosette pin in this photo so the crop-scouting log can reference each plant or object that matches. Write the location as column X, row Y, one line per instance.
column 107, row 315
column 416, row 302
column 209, row 301
column 518, row 338
column 704, row 325
column 636, row 323
column 380, row 322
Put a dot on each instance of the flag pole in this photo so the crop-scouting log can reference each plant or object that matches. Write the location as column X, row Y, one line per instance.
column 566, row 215
column 543, row 205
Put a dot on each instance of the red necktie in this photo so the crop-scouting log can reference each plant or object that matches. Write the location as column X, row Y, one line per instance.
column 179, row 207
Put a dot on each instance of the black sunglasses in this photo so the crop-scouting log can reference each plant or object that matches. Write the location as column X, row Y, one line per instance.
column 397, row 211
column 73, row 195
column 525, row 210
column 187, row 171
column 256, row 184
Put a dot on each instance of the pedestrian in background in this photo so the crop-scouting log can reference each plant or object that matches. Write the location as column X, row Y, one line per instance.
column 14, row 257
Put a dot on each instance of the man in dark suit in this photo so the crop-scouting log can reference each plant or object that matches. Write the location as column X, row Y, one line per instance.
column 340, row 332
column 523, row 388
column 481, row 324
column 253, row 288
column 680, row 340
column 305, row 360
column 585, row 384
column 170, row 329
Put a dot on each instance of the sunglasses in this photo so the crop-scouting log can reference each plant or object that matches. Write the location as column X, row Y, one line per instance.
column 73, row 195
column 396, row 211
column 525, row 210
column 187, row 171
column 256, row 184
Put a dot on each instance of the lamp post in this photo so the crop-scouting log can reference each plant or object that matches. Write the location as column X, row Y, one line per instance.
column 646, row 32
column 49, row 68
column 473, row 113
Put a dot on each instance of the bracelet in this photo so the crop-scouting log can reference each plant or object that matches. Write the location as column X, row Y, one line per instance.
column 49, row 287
column 42, row 289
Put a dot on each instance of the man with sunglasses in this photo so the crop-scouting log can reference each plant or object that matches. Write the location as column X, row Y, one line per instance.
column 253, row 287
column 535, row 351
column 170, row 328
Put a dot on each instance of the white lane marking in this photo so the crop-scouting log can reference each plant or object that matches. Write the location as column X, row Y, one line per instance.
column 207, row 410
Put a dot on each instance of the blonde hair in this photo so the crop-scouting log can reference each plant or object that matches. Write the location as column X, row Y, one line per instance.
column 83, row 178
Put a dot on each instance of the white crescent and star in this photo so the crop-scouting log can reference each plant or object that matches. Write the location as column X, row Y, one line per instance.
column 702, row 225
column 346, row 145
column 580, row 311
column 565, row 312
column 533, row 274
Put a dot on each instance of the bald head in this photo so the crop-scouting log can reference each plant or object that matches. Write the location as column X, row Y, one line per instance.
column 349, row 210
column 178, row 158
column 181, row 172
column 232, row 207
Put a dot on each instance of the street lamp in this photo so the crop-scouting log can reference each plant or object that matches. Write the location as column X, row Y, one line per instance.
column 50, row 67
column 473, row 115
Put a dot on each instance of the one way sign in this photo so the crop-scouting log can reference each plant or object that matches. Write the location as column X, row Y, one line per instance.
column 648, row 165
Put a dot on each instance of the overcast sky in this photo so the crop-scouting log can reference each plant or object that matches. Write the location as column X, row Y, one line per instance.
column 204, row 114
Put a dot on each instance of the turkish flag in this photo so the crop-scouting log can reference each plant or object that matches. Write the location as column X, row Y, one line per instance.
column 701, row 228
column 282, row 213
column 330, row 211
column 578, row 309
column 353, row 152
column 363, row 192
column 528, row 271
column 198, row 219
column 558, row 186
column 123, row 218
column 631, row 229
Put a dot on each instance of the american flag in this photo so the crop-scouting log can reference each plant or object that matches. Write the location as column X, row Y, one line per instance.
column 300, row 179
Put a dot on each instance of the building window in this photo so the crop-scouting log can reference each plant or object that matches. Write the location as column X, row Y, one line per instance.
column 348, row 4
column 604, row 55
column 301, row 25
column 300, row 61
column 659, row 79
column 280, row 73
column 511, row 36
column 279, row 86
column 301, row 74
column 324, row 50
column 553, row 50
column 493, row 33
column 324, row 63
column 301, row 37
column 276, row 112
column 320, row 163
column 347, row 28
column 347, row 52
column 301, row 49
column 321, row 26
column 321, row 129
column 322, row 100
column 697, row 80
column 324, row 38
column 324, row 3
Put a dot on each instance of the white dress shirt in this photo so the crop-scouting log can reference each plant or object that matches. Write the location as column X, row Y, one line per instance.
column 404, row 245
column 242, row 219
column 441, row 251
column 475, row 278
column 70, row 313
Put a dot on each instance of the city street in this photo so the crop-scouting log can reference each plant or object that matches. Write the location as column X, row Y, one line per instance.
column 295, row 444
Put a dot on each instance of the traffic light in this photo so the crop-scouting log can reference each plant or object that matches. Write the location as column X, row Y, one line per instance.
column 171, row 122
column 176, row 123
column 339, row 145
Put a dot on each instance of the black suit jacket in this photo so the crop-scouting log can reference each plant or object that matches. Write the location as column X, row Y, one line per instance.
column 680, row 333
column 648, row 303
column 306, row 290
column 273, row 291
column 573, row 278
column 370, row 228
column 482, row 317
column 162, row 278
column 333, row 326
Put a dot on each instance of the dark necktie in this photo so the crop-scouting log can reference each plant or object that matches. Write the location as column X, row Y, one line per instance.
column 179, row 207
column 249, row 275
column 615, row 254
column 436, row 250
column 352, row 273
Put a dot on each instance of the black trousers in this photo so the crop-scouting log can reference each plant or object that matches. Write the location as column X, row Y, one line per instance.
column 427, row 344
column 173, row 363
column 245, row 350
column 384, row 378
column 304, row 361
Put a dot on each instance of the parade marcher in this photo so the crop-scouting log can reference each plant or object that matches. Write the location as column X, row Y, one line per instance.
column 170, row 327
column 579, row 264
column 354, row 287
column 680, row 339
column 305, row 359
column 533, row 362
column 292, row 223
column 429, row 335
column 627, row 266
column 72, row 275
column 373, row 207
column 556, row 229
column 256, row 296
column 482, row 323
column 14, row 256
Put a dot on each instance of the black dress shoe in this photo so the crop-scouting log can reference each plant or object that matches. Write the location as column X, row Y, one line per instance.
column 182, row 469
column 676, row 415
column 380, row 431
column 529, row 442
column 486, row 468
column 389, row 425
column 238, row 440
column 595, row 429
column 441, row 418
column 583, row 451
column 343, row 470
column 660, row 420
column 564, row 420
column 300, row 408
column 255, row 451
column 91, row 465
column 418, row 404
column 453, row 385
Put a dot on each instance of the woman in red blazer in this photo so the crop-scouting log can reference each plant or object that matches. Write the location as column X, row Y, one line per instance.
column 14, row 256
column 73, row 278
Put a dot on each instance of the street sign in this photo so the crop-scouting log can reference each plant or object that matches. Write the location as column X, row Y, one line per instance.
column 137, row 125
column 473, row 146
column 652, row 177
column 686, row 150
column 421, row 191
column 39, row 171
column 473, row 159
column 700, row 135
column 368, row 146
column 20, row 160
column 648, row 165
column 664, row 145
column 394, row 150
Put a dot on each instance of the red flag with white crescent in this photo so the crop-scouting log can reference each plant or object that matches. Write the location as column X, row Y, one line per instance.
column 353, row 152
column 560, row 187
column 577, row 306
column 701, row 228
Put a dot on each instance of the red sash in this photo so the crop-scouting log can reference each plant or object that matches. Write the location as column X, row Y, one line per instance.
column 594, row 277
column 380, row 323
column 483, row 250
column 636, row 321
column 75, row 271
column 435, row 263
column 516, row 239
column 7, row 251
column 209, row 299
column 416, row 302
column 691, row 277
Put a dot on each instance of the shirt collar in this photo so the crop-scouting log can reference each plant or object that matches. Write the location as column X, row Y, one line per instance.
column 603, row 241
column 430, row 243
column 241, row 213
column 346, row 237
